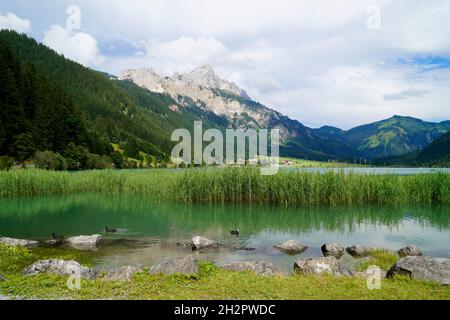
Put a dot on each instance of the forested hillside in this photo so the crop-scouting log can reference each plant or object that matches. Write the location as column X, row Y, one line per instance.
column 436, row 154
column 63, row 115
column 35, row 113
column 49, row 102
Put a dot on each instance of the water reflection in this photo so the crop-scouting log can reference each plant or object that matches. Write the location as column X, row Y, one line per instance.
column 162, row 225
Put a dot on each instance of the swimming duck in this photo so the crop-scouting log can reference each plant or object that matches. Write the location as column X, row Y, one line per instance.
column 110, row 230
column 56, row 237
column 235, row 232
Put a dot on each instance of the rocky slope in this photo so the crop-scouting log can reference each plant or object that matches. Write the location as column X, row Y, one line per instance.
column 204, row 89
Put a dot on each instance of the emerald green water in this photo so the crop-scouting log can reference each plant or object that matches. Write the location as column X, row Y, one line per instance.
column 156, row 228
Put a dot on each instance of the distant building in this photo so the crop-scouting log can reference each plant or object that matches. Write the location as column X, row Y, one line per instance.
column 287, row 163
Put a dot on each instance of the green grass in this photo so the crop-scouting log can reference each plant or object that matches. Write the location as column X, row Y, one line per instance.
column 381, row 258
column 14, row 259
column 209, row 283
column 302, row 163
column 236, row 185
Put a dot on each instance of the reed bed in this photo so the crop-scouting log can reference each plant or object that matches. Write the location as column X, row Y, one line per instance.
column 236, row 185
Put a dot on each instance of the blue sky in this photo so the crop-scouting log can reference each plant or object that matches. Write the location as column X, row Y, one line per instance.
column 322, row 62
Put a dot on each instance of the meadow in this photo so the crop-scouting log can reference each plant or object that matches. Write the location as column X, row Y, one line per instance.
column 209, row 283
column 235, row 185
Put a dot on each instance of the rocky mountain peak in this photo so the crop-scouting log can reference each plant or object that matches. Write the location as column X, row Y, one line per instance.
column 205, row 76
column 144, row 77
column 202, row 86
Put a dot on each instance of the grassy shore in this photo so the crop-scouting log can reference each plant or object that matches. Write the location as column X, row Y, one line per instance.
column 236, row 185
column 209, row 283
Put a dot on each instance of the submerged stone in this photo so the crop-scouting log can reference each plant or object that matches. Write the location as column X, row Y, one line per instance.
column 291, row 247
column 359, row 251
column 333, row 250
column 84, row 242
column 203, row 243
column 12, row 242
column 409, row 251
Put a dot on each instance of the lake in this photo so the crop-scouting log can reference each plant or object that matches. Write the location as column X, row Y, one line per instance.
column 373, row 170
column 150, row 231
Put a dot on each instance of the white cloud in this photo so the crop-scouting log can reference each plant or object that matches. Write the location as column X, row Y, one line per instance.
column 316, row 61
column 12, row 22
column 185, row 53
column 78, row 46
column 405, row 94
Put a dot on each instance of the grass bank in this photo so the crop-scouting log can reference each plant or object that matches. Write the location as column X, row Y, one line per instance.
column 209, row 283
column 236, row 185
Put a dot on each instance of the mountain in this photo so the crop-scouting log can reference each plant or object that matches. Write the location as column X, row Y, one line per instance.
column 203, row 88
column 110, row 111
column 51, row 103
column 436, row 154
column 395, row 136
column 34, row 111
column 391, row 137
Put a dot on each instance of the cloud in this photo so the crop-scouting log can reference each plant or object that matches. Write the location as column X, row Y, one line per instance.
column 185, row 53
column 316, row 61
column 405, row 94
column 265, row 84
column 75, row 45
column 12, row 22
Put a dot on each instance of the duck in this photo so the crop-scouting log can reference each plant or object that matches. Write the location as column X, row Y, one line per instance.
column 56, row 237
column 235, row 232
column 110, row 230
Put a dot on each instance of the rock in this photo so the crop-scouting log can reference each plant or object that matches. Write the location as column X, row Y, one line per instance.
column 333, row 250
column 51, row 243
column 359, row 251
column 124, row 274
column 186, row 265
column 320, row 266
column 84, row 242
column 291, row 247
column 2, row 278
column 61, row 268
column 422, row 268
column 184, row 244
column 18, row 242
column 409, row 251
column 261, row 268
column 203, row 243
column 244, row 248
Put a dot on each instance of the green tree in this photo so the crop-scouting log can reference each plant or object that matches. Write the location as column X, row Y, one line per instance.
column 6, row 163
column 49, row 160
column 117, row 160
column 24, row 145
column 77, row 157
column 132, row 149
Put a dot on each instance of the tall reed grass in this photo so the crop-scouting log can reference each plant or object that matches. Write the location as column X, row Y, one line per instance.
column 236, row 185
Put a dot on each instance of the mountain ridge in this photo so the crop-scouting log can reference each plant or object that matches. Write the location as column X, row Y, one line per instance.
column 388, row 137
column 117, row 110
